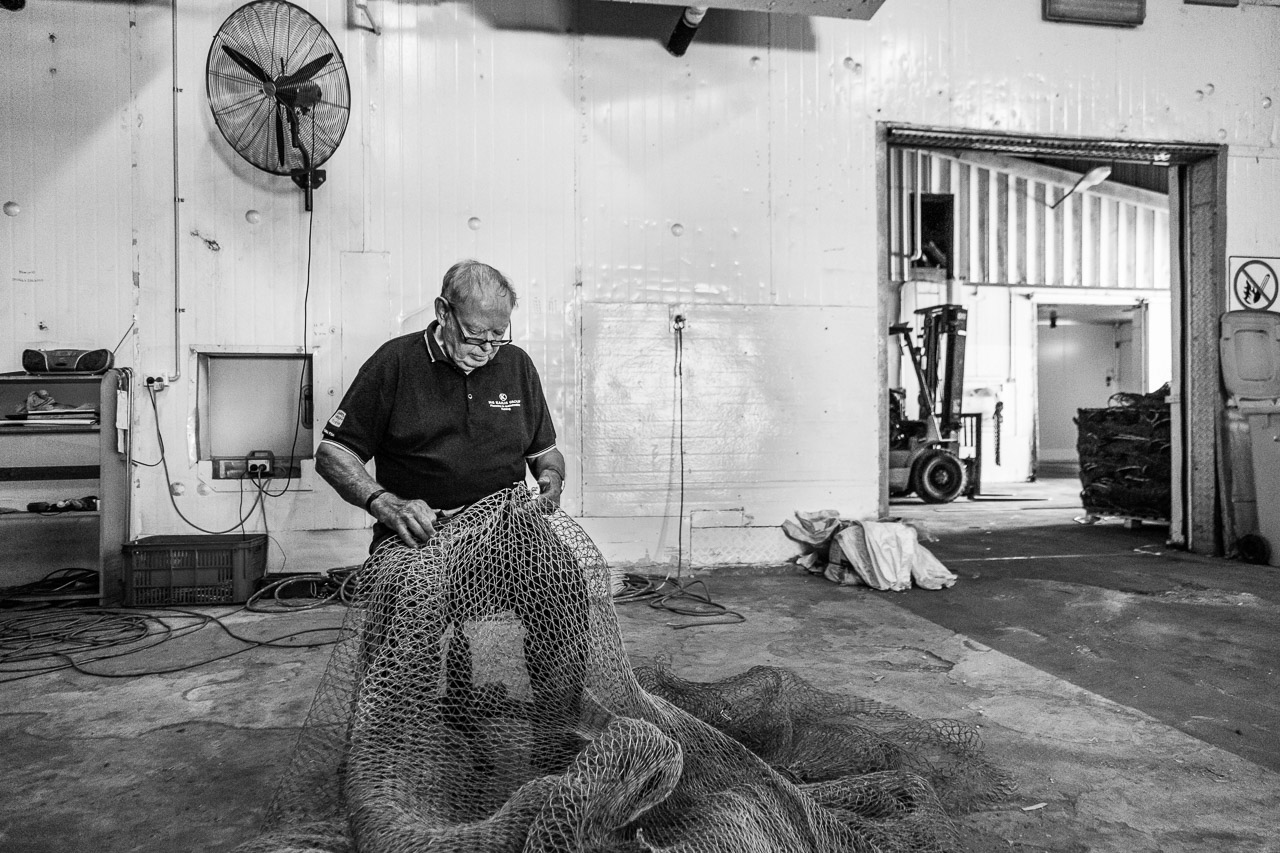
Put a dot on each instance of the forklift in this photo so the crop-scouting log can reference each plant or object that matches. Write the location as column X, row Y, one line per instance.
column 924, row 453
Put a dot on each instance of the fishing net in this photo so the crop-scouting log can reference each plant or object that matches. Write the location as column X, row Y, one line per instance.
column 1125, row 457
column 480, row 699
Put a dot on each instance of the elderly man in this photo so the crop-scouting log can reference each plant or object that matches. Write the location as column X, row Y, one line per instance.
column 450, row 416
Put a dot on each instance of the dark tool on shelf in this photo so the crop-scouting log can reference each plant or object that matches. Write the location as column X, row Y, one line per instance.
column 89, row 503
column 924, row 453
column 271, row 66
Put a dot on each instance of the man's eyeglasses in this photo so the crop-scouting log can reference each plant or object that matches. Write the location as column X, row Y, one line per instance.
column 470, row 341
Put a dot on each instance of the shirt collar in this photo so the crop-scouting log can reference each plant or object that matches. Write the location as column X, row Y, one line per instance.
column 435, row 348
column 431, row 337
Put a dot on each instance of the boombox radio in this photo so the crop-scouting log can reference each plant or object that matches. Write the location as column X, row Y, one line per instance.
column 41, row 361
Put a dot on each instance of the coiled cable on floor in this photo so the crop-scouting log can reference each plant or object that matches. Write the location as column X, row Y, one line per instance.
column 336, row 585
column 43, row 639
column 57, row 582
column 674, row 596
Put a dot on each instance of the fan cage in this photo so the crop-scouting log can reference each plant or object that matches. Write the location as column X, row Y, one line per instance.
column 263, row 119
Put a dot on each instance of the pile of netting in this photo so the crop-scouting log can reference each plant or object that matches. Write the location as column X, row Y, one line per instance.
column 479, row 699
column 1125, row 457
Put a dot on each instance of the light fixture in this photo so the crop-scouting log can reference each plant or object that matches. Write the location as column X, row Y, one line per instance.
column 1091, row 178
column 1111, row 13
column 686, row 29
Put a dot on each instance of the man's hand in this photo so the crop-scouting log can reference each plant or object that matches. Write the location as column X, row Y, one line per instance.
column 549, row 487
column 413, row 520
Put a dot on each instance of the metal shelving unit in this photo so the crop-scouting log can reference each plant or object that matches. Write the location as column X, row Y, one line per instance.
column 51, row 462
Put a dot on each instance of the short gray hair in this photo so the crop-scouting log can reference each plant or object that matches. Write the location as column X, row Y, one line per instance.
column 467, row 280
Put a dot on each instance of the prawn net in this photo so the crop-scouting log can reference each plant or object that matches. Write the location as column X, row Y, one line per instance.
column 479, row 698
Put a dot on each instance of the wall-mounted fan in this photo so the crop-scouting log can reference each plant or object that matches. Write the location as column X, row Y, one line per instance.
column 278, row 89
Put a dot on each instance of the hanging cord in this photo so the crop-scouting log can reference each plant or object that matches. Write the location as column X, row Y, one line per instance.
column 164, row 463
column 125, row 335
column 302, row 372
column 677, row 596
column 678, row 325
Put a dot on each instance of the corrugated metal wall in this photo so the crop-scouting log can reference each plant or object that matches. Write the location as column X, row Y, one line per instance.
column 559, row 141
column 1016, row 222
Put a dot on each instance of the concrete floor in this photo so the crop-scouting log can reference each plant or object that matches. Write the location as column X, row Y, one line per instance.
column 1130, row 690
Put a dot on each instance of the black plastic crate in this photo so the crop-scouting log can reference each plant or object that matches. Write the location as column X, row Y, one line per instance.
column 178, row 570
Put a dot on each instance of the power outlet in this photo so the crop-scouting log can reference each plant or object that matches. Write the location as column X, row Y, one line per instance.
column 259, row 464
column 157, row 383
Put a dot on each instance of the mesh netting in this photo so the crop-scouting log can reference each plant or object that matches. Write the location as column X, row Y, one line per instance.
column 479, row 699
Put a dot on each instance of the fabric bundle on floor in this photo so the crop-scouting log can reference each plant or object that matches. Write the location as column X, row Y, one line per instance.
column 479, row 699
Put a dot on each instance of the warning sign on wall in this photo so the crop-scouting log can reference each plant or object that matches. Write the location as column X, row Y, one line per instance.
column 1254, row 284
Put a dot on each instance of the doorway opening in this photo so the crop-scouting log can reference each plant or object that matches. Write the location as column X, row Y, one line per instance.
column 1074, row 259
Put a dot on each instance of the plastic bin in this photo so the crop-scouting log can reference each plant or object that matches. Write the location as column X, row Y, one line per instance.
column 169, row 570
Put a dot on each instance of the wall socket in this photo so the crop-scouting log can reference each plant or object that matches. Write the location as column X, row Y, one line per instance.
column 157, row 383
column 258, row 465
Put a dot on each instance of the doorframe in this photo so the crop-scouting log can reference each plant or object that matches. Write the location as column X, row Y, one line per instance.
column 1197, row 223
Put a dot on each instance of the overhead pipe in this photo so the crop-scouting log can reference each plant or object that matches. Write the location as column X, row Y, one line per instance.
column 177, row 203
column 918, row 239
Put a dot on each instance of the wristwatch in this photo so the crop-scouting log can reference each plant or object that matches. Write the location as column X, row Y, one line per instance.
column 368, row 502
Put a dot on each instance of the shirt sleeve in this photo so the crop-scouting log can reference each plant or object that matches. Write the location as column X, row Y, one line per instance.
column 540, row 425
column 361, row 418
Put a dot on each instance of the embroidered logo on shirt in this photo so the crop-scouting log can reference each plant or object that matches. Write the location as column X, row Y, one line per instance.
column 504, row 403
column 338, row 417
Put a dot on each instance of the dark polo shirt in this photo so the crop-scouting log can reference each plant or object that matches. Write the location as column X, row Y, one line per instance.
column 436, row 433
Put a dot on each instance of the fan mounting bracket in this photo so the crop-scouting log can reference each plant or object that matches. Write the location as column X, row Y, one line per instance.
column 308, row 179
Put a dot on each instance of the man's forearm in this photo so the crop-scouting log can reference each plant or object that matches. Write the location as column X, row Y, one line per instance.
column 349, row 478
column 552, row 460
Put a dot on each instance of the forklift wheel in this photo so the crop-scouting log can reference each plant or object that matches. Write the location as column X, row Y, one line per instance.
column 938, row 477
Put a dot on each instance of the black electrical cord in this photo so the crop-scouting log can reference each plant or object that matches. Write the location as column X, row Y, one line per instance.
column 679, row 371
column 125, row 335
column 56, row 582
column 338, row 585
column 677, row 596
column 302, row 374
column 164, row 463
column 52, row 636
column 674, row 596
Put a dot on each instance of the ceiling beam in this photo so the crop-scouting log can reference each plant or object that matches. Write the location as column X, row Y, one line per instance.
column 861, row 10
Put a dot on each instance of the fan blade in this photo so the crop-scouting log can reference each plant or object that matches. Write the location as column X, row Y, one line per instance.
column 246, row 63
column 306, row 72
column 280, row 136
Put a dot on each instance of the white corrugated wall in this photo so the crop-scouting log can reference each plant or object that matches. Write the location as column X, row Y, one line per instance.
column 613, row 182
column 1017, row 223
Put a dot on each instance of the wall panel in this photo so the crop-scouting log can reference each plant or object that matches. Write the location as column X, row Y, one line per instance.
column 65, row 123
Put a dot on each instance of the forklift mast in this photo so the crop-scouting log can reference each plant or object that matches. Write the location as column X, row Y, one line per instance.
column 942, row 344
